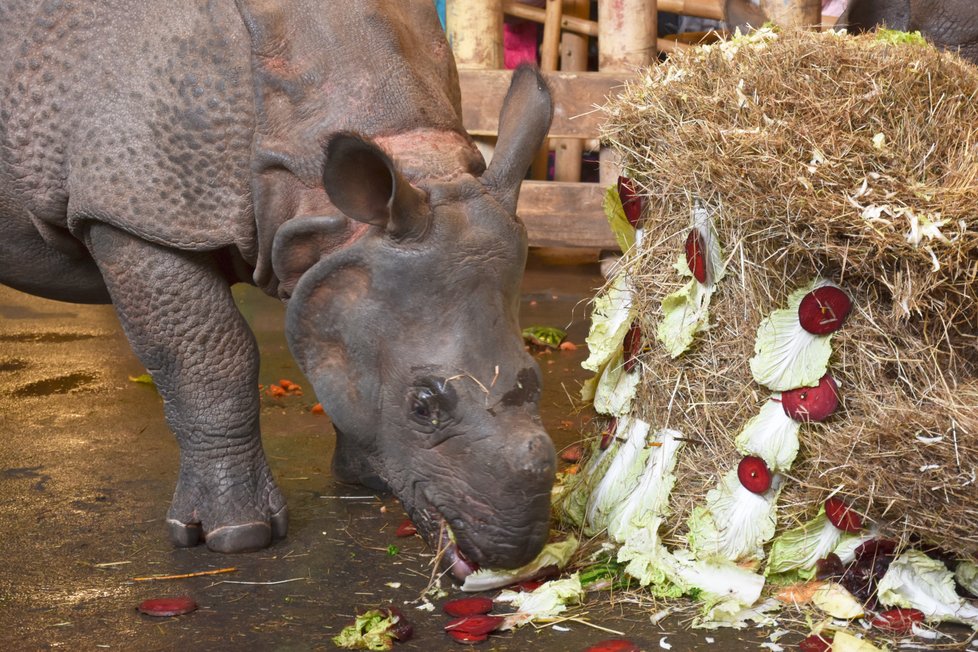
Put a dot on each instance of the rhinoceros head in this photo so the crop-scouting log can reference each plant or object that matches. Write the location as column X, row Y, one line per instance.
column 410, row 337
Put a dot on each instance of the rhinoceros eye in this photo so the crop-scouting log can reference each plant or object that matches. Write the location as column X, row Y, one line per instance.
column 431, row 402
column 424, row 406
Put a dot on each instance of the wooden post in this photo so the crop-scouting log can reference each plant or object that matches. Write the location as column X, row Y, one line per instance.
column 793, row 13
column 549, row 56
column 573, row 58
column 626, row 42
column 475, row 32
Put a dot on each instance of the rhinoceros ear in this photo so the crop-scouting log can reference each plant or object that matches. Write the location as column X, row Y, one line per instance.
column 523, row 124
column 363, row 182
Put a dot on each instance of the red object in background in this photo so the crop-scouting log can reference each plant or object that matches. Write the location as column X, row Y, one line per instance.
column 842, row 516
column 406, row 529
column 167, row 606
column 609, row 433
column 824, row 310
column 632, row 345
column 631, row 201
column 898, row 621
column 812, row 403
column 474, row 606
column 754, row 474
column 815, row 643
column 696, row 255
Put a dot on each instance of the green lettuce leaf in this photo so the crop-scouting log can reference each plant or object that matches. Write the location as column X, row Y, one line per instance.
column 798, row 549
column 616, row 388
column 650, row 498
column 548, row 601
column 613, row 210
column 370, row 631
column 553, row 554
column 786, row 356
column 772, row 436
column 916, row 581
column 648, row 561
column 611, row 316
column 685, row 313
column 622, row 475
column 733, row 523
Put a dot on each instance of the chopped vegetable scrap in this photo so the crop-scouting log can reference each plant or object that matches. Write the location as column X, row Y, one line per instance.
column 544, row 337
column 163, row 607
column 613, row 645
column 376, row 629
column 406, row 529
column 144, row 379
column 553, row 555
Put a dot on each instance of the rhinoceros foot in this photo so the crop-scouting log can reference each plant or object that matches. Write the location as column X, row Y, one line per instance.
column 237, row 510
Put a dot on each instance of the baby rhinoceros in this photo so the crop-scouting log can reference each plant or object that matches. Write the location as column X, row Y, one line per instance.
column 152, row 154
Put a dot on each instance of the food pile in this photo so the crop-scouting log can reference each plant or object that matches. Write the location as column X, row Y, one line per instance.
column 787, row 353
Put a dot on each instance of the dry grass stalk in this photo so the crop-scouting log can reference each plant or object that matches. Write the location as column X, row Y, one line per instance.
column 782, row 142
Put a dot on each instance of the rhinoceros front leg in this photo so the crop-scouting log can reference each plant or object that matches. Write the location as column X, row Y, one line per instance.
column 179, row 316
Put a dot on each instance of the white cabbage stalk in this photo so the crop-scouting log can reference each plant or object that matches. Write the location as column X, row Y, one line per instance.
column 725, row 587
column 771, row 435
column 573, row 502
column 786, row 356
column 611, row 317
column 650, row 499
column 622, row 475
column 798, row 549
column 553, row 554
column 734, row 523
column 916, row 581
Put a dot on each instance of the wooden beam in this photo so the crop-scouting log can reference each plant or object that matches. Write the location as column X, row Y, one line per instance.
column 575, row 96
column 558, row 214
column 699, row 8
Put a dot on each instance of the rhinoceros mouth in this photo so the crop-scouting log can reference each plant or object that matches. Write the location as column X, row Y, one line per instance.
column 453, row 554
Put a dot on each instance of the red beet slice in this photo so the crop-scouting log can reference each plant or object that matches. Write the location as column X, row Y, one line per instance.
column 168, row 606
column 899, row 621
column 824, row 310
column 696, row 255
column 614, row 645
column 816, row 643
column 842, row 516
column 477, row 625
column 406, row 529
column 632, row 346
column 475, row 606
column 874, row 548
column 754, row 474
column 812, row 403
column 466, row 638
column 631, row 201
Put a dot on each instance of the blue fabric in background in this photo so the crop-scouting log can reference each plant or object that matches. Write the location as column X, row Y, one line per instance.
column 440, row 5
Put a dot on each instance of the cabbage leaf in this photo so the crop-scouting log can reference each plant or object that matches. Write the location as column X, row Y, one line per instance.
column 620, row 226
column 553, row 554
column 370, row 630
column 916, row 581
column 685, row 313
column 798, row 549
column 622, row 475
column 572, row 506
column 966, row 575
column 616, row 388
column 650, row 498
column 734, row 523
column 647, row 560
column 786, row 356
column 772, row 436
column 611, row 316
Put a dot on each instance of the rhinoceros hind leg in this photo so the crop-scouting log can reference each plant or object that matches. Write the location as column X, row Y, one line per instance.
column 181, row 320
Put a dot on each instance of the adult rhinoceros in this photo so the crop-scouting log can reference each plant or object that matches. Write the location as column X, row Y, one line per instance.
column 155, row 153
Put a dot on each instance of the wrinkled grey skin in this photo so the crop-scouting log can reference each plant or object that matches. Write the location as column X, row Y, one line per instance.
column 949, row 24
column 153, row 154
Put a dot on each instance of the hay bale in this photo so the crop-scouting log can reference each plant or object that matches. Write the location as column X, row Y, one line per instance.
column 854, row 159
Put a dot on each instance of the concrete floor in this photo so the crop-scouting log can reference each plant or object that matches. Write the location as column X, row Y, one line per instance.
column 87, row 468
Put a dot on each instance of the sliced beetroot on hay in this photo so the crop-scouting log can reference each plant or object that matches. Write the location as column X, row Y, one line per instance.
column 631, row 201
column 696, row 255
column 632, row 345
column 614, row 645
column 754, row 474
column 168, row 606
column 898, row 621
column 474, row 606
column 466, row 638
column 842, row 516
column 816, row 643
column 812, row 403
column 476, row 625
column 406, row 529
column 824, row 310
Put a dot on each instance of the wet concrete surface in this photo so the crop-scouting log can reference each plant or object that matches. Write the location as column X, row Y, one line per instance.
column 88, row 466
